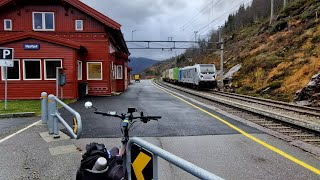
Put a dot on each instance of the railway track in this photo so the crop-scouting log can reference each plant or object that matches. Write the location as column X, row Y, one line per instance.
column 296, row 123
column 268, row 102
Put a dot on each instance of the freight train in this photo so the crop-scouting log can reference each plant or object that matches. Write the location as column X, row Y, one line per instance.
column 198, row 76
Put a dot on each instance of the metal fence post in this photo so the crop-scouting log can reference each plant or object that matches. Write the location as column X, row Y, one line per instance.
column 44, row 107
column 51, row 110
column 155, row 167
column 55, row 121
column 55, row 126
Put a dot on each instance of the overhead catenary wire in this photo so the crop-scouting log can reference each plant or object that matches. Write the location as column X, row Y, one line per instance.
column 188, row 24
column 208, row 26
column 197, row 16
column 217, row 20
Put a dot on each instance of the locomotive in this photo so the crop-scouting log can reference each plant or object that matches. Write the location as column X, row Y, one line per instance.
column 197, row 76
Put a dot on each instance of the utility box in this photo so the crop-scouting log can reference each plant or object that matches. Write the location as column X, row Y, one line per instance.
column 62, row 79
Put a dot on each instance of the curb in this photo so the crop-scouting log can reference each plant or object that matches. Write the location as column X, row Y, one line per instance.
column 115, row 93
column 282, row 118
column 14, row 115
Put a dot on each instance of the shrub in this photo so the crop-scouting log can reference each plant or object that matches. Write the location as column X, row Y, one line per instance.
column 275, row 85
column 315, row 39
column 279, row 26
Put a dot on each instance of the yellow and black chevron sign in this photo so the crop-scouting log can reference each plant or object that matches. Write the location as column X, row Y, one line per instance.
column 75, row 125
column 142, row 163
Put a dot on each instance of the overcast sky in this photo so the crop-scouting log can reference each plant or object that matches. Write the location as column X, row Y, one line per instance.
column 160, row 19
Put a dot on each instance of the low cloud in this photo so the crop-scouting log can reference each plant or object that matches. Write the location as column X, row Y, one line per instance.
column 160, row 19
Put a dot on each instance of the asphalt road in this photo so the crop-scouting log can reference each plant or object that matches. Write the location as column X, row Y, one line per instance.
column 178, row 118
column 11, row 125
column 184, row 131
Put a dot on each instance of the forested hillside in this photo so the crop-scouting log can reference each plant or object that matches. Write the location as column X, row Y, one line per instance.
column 138, row 64
column 277, row 59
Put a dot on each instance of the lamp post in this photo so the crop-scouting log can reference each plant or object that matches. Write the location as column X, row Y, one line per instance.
column 132, row 33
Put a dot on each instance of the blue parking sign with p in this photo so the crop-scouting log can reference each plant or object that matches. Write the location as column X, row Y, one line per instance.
column 6, row 57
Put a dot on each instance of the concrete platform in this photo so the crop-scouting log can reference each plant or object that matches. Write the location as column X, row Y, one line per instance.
column 183, row 131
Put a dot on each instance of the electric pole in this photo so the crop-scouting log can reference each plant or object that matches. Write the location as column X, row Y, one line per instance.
column 285, row 3
column 195, row 38
column 221, row 55
column 195, row 35
column 175, row 55
column 271, row 16
column 132, row 33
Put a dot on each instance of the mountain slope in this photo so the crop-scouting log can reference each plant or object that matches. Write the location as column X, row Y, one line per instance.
column 281, row 57
column 140, row 64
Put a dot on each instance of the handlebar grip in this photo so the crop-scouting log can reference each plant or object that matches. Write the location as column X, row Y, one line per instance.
column 154, row 117
column 102, row 113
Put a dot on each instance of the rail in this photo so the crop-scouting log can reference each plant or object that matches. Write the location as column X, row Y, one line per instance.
column 294, row 121
column 50, row 115
column 173, row 159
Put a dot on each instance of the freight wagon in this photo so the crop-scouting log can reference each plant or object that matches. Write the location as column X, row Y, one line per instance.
column 174, row 75
column 197, row 76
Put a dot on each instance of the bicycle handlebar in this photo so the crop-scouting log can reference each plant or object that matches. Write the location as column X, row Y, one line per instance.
column 122, row 117
column 153, row 117
column 107, row 114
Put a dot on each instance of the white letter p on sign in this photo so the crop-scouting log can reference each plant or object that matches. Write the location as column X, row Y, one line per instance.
column 6, row 53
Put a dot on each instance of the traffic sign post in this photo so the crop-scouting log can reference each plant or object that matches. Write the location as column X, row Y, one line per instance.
column 6, row 60
column 142, row 165
column 5, row 87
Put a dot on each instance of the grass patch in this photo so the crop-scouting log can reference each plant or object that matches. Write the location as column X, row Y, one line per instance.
column 19, row 106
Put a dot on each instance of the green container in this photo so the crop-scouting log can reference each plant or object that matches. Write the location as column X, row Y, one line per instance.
column 176, row 74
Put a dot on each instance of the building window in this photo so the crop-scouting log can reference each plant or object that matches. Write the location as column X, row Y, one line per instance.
column 13, row 72
column 32, row 69
column 50, row 68
column 79, row 70
column 7, row 24
column 79, row 25
column 94, row 70
column 119, row 72
column 43, row 21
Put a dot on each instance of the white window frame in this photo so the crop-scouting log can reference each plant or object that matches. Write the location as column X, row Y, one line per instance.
column 79, row 62
column 121, row 72
column 5, row 25
column 24, row 70
column 88, row 71
column 81, row 29
column 45, row 68
column 2, row 72
column 43, row 22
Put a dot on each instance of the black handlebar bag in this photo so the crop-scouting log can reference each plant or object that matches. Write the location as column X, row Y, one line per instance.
column 113, row 171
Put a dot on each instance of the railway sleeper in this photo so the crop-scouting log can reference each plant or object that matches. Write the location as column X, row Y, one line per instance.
column 302, row 135
column 312, row 140
column 272, row 124
column 260, row 121
column 280, row 127
column 290, row 131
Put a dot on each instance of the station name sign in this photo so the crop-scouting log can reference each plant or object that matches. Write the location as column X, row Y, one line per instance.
column 32, row 46
column 6, row 57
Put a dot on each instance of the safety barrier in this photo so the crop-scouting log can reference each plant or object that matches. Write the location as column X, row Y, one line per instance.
column 50, row 115
column 173, row 159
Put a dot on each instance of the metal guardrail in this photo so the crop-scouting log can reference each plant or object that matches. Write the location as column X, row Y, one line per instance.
column 173, row 159
column 50, row 115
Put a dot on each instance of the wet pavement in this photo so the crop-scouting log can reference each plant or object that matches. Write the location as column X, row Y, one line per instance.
column 183, row 131
column 178, row 118
column 11, row 125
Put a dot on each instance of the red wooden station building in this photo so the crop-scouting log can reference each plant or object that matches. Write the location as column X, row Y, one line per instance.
column 47, row 34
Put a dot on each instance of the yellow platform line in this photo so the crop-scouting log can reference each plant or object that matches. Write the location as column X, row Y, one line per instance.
column 274, row 149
